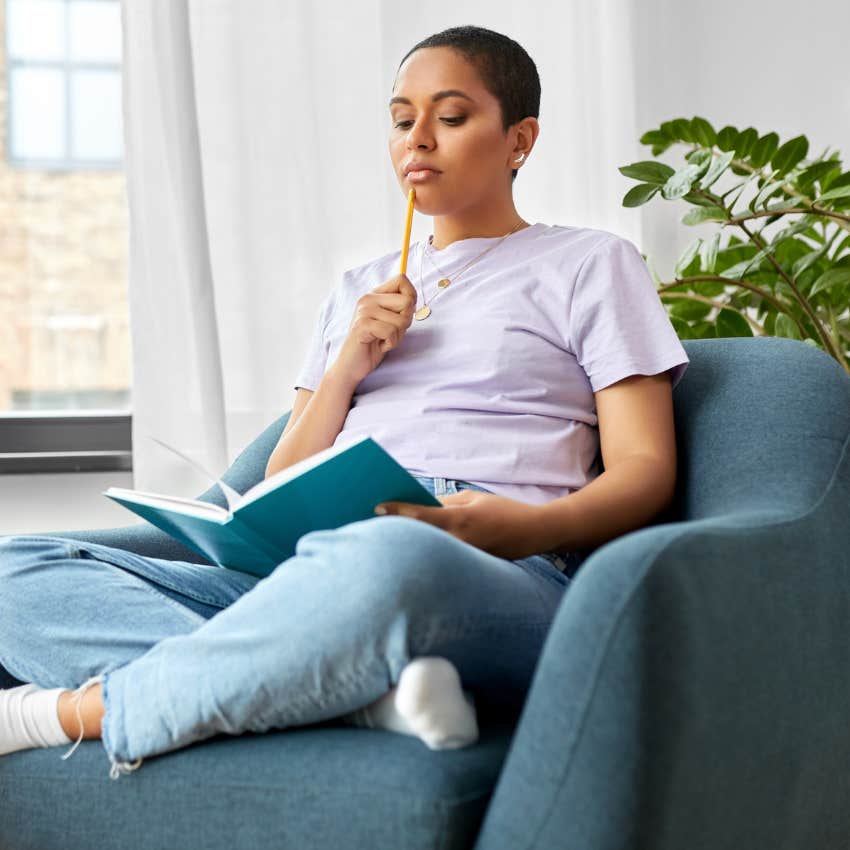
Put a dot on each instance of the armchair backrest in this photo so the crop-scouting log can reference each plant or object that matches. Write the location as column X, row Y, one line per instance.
column 249, row 467
column 760, row 426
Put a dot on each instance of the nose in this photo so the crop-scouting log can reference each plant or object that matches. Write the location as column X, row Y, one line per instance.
column 418, row 136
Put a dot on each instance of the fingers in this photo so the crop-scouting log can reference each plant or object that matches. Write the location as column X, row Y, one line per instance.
column 398, row 283
column 388, row 333
column 386, row 312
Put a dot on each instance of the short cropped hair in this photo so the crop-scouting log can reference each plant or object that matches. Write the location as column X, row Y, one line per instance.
column 505, row 69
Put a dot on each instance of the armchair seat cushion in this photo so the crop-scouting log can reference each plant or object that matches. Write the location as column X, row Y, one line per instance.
column 322, row 785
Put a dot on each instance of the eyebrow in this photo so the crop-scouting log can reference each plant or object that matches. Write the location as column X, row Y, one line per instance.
column 435, row 97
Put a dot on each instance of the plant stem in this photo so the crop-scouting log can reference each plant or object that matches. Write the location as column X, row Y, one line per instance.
column 822, row 332
column 843, row 221
column 780, row 307
column 812, row 211
column 826, row 339
column 837, row 333
column 692, row 296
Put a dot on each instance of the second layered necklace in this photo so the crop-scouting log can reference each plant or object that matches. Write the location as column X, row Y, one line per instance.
column 425, row 310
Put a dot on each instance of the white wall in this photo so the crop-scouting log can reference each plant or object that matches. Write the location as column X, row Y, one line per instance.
column 770, row 64
column 62, row 502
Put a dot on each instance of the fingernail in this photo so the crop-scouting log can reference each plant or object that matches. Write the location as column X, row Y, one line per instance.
column 380, row 509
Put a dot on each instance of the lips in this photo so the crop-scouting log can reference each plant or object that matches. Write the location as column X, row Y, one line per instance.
column 422, row 176
column 416, row 165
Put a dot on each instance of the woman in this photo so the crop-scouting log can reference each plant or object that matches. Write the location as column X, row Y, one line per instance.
column 522, row 350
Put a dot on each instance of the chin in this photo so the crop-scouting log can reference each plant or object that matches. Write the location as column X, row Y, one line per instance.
column 429, row 201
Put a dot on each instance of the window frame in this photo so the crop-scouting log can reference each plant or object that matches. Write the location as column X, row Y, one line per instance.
column 66, row 66
column 62, row 440
column 65, row 441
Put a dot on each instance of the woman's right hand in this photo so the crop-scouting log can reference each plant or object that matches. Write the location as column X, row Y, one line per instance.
column 381, row 318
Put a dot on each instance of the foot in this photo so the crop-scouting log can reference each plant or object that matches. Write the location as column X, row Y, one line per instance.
column 428, row 702
column 29, row 718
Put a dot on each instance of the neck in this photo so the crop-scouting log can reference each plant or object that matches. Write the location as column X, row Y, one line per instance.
column 483, row 223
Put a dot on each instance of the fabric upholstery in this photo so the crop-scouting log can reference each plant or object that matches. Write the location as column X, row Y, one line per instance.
column 694, row 690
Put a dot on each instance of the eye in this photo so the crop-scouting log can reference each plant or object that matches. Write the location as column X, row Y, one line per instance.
column 454, row 121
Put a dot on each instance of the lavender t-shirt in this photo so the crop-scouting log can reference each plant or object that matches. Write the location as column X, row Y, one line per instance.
column 496, row 386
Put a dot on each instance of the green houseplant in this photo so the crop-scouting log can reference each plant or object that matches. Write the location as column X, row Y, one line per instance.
column 787, row 255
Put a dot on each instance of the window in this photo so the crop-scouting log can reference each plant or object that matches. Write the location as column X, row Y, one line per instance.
column 64, row 319
column 64, row 100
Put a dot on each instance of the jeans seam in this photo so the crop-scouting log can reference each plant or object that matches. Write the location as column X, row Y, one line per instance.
column 74, row 552
column 188, row 613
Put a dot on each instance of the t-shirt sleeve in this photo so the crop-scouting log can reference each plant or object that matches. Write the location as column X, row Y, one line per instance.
column 618, row 324
column 315, row 363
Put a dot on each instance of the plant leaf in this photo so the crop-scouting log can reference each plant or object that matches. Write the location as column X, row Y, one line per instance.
column 709, row 288
column 805, row 261
column 655, row 278
column 766, row 191
column 731, row 323
column 727, row 138
column 790, row 154
column 841, row 180
column 844, row 243
column 819, row 171
column 840, row 192
column 648, row 171
column 717, row 167
column 639, row 194
column 745, row 142
column 785, row 326
column 703, row 131
column 689, row 309
column 687, row 255
column 680, row 183
column 653, row 137
column 682, row 130
column 683, row 329
column 798, row 226
column 740, row 269
column 764, row 149
column 832, row 277
column 701, row 214
column 787, row 204
column 704, row 330
column 709, row 253
column 668, row 131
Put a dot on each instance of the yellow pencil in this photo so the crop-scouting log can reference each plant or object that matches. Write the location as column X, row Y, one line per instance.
column 410, row 196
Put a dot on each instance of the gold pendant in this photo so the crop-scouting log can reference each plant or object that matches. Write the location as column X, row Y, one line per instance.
column 443, row 283
column 422, row 313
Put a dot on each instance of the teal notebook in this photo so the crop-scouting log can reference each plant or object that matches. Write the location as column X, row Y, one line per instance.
column 260, row 529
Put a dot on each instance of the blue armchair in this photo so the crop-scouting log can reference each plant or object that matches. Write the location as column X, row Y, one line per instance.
column 693, row 692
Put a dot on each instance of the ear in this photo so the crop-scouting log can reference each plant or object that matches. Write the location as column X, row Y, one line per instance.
column 527, row 131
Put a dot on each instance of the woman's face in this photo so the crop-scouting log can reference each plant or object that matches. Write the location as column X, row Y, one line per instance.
column 460, row 136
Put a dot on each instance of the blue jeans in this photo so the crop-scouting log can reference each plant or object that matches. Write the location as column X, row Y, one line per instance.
column 187, row 651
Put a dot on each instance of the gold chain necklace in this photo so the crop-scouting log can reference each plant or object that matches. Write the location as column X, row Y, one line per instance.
column 424, row 311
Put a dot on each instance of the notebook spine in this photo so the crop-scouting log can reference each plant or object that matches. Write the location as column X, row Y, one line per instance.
column 257, row 541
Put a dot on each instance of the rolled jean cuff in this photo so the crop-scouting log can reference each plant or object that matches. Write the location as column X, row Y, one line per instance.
column 113, row 739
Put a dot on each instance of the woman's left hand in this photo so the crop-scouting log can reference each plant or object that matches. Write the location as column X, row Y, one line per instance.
column 498, row 525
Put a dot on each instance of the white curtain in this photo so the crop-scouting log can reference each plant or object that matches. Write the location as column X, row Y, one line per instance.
column 258, row 171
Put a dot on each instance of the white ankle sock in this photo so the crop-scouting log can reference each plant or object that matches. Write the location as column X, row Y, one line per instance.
column 29, row 718
column 427, row 702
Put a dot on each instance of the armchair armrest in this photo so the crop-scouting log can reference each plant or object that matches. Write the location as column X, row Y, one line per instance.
column 694, row 691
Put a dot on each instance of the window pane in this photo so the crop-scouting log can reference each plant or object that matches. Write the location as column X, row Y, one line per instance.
column 96, row 115
column 64, row 318
column 95, row 31
column 37, row 114
column 37, row 30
